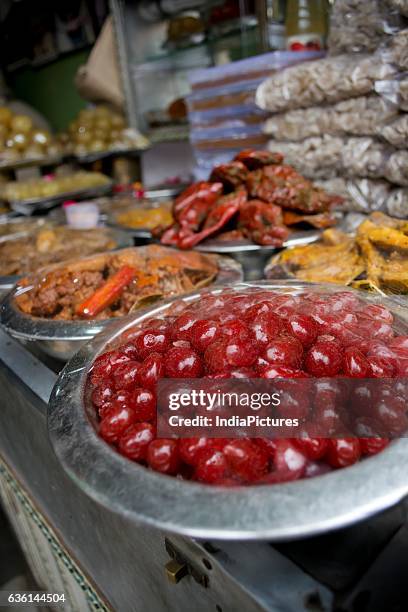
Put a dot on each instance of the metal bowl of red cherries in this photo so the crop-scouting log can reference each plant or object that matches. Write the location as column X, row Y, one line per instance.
column 345, row 462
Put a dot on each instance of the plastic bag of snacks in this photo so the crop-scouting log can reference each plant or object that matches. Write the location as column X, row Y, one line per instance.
column 397, row 203
column 357, row 116
column 328, row 156
column 398, row 50
column 395, row 132
column 399, row 5
column 326, row 80
column 395, row 90
column 396, row 168
column 359, row 195
column 357, row 26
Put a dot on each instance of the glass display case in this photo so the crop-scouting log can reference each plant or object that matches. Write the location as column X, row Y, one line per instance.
column 160, row 42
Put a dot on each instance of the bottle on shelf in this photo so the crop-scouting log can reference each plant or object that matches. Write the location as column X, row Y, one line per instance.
column 306, row 25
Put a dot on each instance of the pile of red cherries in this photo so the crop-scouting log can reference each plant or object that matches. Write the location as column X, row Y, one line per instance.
column 250, row 333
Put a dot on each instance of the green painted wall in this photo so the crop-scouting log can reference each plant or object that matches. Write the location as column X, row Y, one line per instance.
column 50, row 89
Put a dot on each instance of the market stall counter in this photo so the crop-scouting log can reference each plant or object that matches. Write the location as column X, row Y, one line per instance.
column 103, row 560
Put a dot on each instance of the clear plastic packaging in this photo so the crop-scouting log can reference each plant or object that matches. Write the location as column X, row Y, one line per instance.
column 394, row 90
column 398, row 49
column 396, row 168
column 399, row 5
column 357, row 116
column 329, row 156
column 357, row 26
column 359, row 195
column 327, row 80
column 397, row 203
column 395, row 132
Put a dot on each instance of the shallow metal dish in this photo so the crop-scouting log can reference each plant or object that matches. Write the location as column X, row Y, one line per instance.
column 62, row 339
column 29, row 206
column 275, row 512
column 7, row 282
column 253, row 257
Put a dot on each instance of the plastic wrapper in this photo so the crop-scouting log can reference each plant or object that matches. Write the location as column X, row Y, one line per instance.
column 359, row 195
column 357, row 26
column 357, row 116
column 396, row 132
column 397, row 203
column 396, row 168
column 399, row 5
column 398, row 50
column 394, row 91
column 326, row 80
column 330, row 156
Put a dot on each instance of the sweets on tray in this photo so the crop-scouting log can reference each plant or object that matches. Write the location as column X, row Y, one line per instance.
column 113, row 284
column 375, row 258
column 20, row 139
column 256, row 196
column 269, row 335
column 140, row 217
column 51, row 186
column 100, row 129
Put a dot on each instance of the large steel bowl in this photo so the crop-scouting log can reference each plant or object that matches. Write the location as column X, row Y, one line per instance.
column 62, row 339
column 274, row 512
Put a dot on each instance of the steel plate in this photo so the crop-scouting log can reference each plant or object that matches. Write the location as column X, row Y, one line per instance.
column 62, row 339
column 276, row 512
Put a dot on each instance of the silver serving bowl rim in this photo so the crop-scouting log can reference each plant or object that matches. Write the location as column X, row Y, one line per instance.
column 21, row 325
column 276, row 512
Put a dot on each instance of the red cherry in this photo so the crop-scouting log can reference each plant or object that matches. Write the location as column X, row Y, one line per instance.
column 183, row 326
column 117, row 420
column 215, row 357
column 203, row 333
column 240, row 353
column 312, row 448
column 125, row 375
column 267, row 444
column 303, row 328
column 355, row 365
column 400, row 343
column 134, row 442
column 272, row 371
column 152, row 340
column 156, row 323
column 264, row 328
column 377, row 311
column 372, row 446
column 163, row 456
column 380, row 368
column 212, row 466
column 323, row 359
column 289, row 463
column 151, row 370
column 189, row 449
column 246, row 459
column 258, row 309
column 235, row 329
column 129, row 350
column 144, row 405
column 101, row 369
column 343, row 452
column 286, row 351
column 183, row 363
column 102, row 394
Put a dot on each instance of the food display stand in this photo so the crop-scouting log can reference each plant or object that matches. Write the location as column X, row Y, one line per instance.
column 103, row 561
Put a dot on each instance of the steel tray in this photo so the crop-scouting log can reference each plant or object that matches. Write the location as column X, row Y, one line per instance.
column 275, row 512
column 62, row 339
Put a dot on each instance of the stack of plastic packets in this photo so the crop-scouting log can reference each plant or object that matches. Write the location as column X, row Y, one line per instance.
column 342, row 120
column 222, row 113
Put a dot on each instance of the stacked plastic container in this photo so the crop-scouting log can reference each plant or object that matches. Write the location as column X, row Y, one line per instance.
column 223, row 116
column 342, row 120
